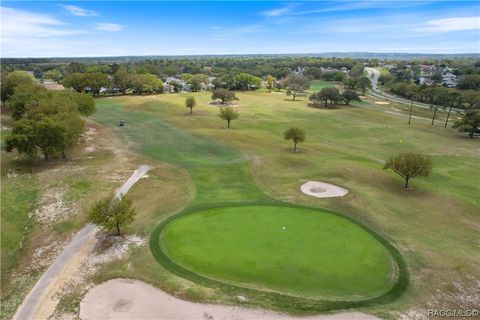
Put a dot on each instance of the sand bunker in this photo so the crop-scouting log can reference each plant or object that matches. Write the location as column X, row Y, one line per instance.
column 381, row 102
column 322, row 189
column 132, row 299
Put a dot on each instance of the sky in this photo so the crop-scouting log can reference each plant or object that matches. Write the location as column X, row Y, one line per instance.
column 109, row 28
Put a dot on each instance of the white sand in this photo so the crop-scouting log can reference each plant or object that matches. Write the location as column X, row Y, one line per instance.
column 381, row 102
column 132, row 299
column 322, row 189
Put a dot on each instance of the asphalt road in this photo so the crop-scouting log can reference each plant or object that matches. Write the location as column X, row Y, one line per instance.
column 33, row 301
column 373, row 74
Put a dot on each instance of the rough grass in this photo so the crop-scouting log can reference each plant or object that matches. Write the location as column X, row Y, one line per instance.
column 434, row 225
column 18, row 200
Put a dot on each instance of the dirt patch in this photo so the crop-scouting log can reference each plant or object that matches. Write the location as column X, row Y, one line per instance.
column 132, row 299
column 52, row 207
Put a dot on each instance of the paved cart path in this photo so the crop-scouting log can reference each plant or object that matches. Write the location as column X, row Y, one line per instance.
column 37, row 304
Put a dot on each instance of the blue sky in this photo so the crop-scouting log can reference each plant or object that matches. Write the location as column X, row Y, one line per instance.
column 93, row 28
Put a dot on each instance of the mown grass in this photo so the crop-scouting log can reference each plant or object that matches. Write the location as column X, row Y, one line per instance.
column 292, row 250
column 317, row 85
column 432, row 225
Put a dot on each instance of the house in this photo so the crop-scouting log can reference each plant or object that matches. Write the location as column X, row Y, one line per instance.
column 344, row 69
column 167, row 87
column 52, row 85
column 424, row 80
column 299, row 71
column 449, row 80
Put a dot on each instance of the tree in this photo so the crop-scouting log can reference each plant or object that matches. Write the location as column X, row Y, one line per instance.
column 190, row 103
column 49, row 121
column 152, row 83
column 357, row 70
column 469, row 82
column 412, row 93
column 53, row 74
column 350, row 83
column 30, row 135
column 296, row 85
column 224, row 94
column 121, row 80
column 439, row 98
column 270, row 82
column 229, row 114
column 349, row 95
column 11, row 81
column 409, row 166
column 96, row 81
column 326, row 95
column 470, row 122
column 146, row 83
column 76, row 81
column 297, row 135
column 454, row 100
column 472, row 98
column 23, row 95
column 384, row 78
column 363, row 83
column 113, row 214
column 245, row 81
column 197, row 80
column 85, row 104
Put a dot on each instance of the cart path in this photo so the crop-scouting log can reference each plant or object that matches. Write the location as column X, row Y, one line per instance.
column 39, row 304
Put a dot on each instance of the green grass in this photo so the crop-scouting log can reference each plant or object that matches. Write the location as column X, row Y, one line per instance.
column 18, row 200
column 430, row 225
column 158, row 139
column 318, row 254
column 317, row 85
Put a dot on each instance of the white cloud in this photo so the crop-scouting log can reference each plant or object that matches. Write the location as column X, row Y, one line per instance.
column 77, row 11
column 18, row 24
column 280, row 11
column 451, row 24
column 110, row 27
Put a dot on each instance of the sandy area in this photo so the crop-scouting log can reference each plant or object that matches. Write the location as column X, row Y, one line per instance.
column 381, row 102
column 322, row 189
column 132, row 299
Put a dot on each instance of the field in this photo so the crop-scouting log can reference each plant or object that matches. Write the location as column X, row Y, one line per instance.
column 433, row 225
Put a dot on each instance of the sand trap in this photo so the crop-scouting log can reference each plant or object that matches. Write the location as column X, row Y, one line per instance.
column 322, row 189
column 381, row 102
column 362, row 97
column 132, row 299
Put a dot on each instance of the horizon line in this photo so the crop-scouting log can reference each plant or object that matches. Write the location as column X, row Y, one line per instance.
column 245, row 54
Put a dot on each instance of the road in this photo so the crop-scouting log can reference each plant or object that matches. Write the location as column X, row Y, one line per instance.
column 373, row 74
column 42, row 289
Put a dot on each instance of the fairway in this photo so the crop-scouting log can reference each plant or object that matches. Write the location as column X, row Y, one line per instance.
column 287, row 249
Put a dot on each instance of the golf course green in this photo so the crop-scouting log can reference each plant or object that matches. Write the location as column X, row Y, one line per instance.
column 291, row 250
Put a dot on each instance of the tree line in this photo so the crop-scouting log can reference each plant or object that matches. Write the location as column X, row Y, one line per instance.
column 46, row 122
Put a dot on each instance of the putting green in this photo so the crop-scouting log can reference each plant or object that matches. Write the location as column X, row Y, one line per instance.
column 291, row 250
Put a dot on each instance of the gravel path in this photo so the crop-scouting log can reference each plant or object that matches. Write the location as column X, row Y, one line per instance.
column 38, row 298
column 131, row 299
